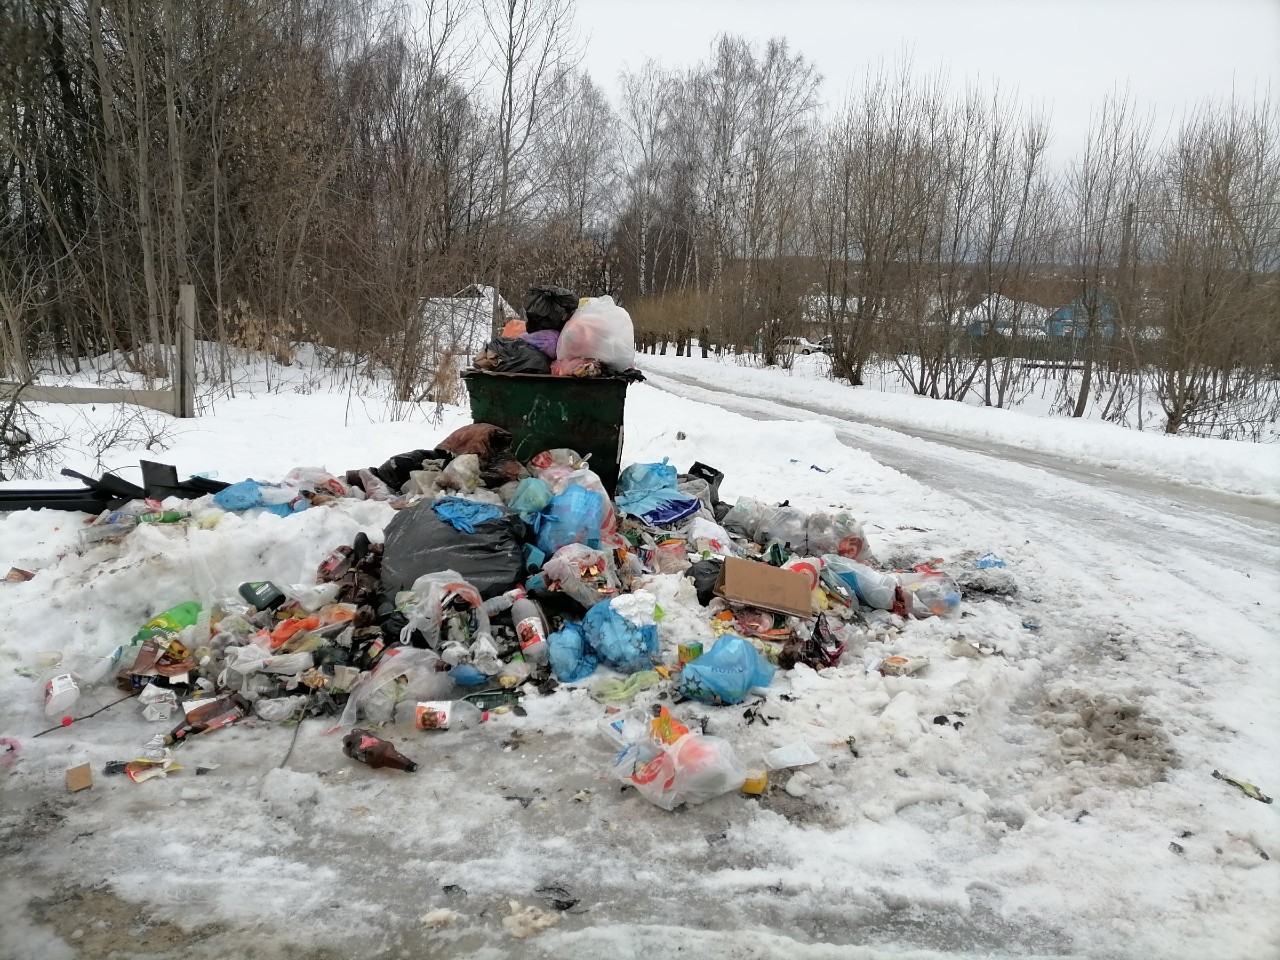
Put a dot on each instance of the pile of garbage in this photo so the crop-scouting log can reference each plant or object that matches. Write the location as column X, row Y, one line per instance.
column 498, row 580
column 564, row 336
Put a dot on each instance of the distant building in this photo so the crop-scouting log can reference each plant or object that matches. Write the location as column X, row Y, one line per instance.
column 1006, row 316
column 1071, row 322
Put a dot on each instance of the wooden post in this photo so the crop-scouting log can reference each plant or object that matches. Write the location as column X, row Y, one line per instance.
column 185, row 383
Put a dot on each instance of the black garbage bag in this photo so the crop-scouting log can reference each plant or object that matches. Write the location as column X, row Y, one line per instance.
column 418, row 542
column 704, row 574
column 395, row 471
column 511, row 355
column 547, row 307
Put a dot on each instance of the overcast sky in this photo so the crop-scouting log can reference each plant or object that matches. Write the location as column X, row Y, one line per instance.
column 1062, row 54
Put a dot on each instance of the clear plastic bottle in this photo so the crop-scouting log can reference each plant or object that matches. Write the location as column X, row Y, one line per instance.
column 101, row 671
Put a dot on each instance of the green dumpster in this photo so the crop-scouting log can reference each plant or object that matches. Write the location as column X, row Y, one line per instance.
column 542, row 413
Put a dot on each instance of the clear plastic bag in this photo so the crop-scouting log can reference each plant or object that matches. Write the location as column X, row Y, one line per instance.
column 872, row 587
column 462, row 473
column 431, row 592
column 838, row 533
column 694, row 769
column 930, row 594
column 784, row 525
column 403, row 673
column 601, row 330
column 566, row 570
column 744, row 517
column 588, row 479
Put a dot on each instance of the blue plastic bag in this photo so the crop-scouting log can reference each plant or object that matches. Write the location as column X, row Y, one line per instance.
column 570, row 658
column 463, row 515
column 650, row 491
column 531, row 498
column 244, row 495
column 617, row 641
column 574, row 516
column 726, row 672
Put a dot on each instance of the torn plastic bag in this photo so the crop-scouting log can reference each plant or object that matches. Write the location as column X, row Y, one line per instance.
column 620, row 643
column 573, row 516
column 403, row 673
column 649, row 491
column 726, row 672
column 693, row 769
column 502, row 355
column 571, row 661
column 583, row 573
column 418, row 542
column 547, row 307
column 436, row 595
column 601, row 330
column 483, row 439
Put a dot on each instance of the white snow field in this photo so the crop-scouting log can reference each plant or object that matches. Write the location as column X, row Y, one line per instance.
column 1072, row 814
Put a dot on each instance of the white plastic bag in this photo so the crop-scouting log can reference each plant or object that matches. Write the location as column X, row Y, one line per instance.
column 694, row 769
column 430, row 592
column 403, row 673
column 601, row 330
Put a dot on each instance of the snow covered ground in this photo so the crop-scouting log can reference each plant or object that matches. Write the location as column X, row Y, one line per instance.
column 1250, row 469
column 1072, row 814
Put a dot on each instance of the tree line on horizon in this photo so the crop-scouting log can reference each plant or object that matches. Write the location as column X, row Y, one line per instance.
column 318, row 168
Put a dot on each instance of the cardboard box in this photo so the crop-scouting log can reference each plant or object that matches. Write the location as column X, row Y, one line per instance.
column 79, row 778
column 768, row 588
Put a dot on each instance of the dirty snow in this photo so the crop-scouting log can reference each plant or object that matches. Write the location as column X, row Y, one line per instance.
column 1041, row 826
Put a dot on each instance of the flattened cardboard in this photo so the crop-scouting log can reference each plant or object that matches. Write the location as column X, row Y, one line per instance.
column 768, row 588
column 79, row 778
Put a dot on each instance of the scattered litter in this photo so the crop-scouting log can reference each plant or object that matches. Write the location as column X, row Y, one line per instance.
column 527, row 921
column 902, row 666
column 79, row 778
column 797, row 754
column 1248, row 789
column 798, row 785
column 439, row 918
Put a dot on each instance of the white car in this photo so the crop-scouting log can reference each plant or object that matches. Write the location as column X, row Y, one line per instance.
column 800, row 345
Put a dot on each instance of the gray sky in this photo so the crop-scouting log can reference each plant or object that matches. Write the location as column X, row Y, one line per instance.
column 1062, row 54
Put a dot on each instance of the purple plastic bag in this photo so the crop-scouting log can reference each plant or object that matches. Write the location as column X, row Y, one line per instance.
column 544, row 340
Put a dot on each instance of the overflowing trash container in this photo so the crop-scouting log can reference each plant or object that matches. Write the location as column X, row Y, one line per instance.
column 519, row 558
column 548, row 412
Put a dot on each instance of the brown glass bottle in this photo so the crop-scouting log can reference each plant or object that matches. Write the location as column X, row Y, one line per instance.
column 363, row 746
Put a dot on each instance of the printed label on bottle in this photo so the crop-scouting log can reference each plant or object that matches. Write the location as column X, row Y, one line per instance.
column 530, row 632
column 57, row 686
column 432, row 715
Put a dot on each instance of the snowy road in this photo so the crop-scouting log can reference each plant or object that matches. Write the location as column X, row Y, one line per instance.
column 1179, row 525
